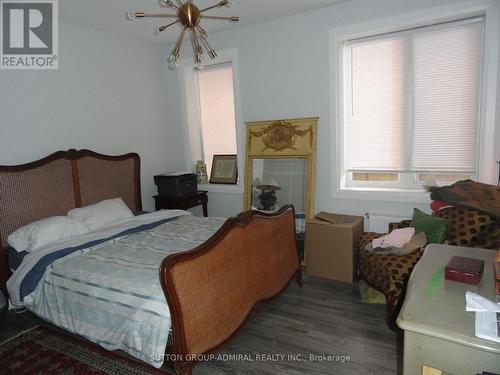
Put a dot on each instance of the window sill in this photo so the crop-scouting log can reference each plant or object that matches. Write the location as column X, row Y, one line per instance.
column 221, row 188
column 383, row 194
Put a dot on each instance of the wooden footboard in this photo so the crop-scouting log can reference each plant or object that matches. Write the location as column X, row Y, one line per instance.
column 214, row 289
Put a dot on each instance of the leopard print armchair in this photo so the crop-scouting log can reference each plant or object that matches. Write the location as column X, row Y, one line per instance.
column 389, row 273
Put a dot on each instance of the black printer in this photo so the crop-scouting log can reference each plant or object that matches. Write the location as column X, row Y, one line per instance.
column 176, row 184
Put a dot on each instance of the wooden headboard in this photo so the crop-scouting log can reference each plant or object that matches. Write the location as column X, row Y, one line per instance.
column 60, row 182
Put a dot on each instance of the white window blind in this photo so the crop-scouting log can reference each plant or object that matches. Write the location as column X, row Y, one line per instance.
column 218, row 118
column 412, row 99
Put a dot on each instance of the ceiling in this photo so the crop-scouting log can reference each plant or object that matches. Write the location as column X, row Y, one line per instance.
column 109, row 15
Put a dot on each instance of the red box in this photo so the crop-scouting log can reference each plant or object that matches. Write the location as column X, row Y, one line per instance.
column 464, row 270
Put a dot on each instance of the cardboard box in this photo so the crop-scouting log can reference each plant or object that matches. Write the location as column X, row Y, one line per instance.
column 332, row 246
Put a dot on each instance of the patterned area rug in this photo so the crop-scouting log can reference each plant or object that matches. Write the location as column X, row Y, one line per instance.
column 46, row 351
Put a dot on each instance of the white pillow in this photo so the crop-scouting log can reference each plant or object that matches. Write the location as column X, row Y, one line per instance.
column 33, row 236
column 102, row 214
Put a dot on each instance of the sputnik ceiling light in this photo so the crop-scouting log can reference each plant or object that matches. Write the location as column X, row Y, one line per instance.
column 189, row 16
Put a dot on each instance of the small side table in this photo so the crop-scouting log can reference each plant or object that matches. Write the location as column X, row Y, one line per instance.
column 439, row 333
column 183, row 203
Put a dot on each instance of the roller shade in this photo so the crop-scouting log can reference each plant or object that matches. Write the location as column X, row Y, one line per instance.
column 412, row 99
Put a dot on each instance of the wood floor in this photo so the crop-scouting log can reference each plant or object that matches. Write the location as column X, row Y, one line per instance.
column 321, row 318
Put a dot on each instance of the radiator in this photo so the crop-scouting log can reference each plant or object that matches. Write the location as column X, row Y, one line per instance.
column 379, row 222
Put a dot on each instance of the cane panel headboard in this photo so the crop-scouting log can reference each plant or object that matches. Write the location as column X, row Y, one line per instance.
column 60, row 182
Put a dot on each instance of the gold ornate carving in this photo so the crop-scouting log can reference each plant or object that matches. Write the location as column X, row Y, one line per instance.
column 281, row 135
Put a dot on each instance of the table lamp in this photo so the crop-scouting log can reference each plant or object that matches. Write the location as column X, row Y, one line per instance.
column 268, row 190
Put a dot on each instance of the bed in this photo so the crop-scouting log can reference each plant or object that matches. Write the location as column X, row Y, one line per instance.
column 210, row 291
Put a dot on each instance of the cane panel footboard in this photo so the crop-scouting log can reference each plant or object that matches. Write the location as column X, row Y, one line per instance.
column 213, row 289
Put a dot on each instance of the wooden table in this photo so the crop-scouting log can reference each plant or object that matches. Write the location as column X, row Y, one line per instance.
column 183, row 203
column 439, row 333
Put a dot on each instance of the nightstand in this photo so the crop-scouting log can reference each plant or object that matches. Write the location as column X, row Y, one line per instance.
column 183, row 203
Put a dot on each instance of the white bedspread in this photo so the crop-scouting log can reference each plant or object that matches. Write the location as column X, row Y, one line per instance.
column 111, row 293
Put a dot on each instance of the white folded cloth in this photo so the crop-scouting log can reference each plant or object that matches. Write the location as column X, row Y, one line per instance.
column 397, row 238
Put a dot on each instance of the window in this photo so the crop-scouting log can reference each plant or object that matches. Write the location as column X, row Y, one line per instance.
column 412, row 105
column 210, row 101
column 218, row 125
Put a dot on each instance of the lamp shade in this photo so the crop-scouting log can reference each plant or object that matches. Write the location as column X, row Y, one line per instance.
column 269, row 184
column 430, row 181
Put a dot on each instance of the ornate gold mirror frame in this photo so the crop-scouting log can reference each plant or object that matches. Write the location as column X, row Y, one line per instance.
column 294, row 140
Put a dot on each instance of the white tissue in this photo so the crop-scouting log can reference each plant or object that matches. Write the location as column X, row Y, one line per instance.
column 397, row 238
column 486, row 316
column 474, row 302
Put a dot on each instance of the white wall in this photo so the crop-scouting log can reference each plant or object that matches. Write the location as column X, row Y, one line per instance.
column 109, row 95
column 114, row 95
column 284, row 73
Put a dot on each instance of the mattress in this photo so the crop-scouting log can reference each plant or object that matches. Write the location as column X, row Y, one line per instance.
column 110, row 292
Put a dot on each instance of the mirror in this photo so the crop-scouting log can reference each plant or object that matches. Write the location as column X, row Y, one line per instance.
column 276, row 182
column 280, row 166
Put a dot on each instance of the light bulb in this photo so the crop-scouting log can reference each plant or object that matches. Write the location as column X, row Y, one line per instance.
column 213, row 53
column 173, row 65
column 226, row 3
column 130, row 15
column 167, row 3
column 198, row 61
column 173, row 62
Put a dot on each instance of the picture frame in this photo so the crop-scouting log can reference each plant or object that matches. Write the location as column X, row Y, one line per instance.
column 224, row 170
